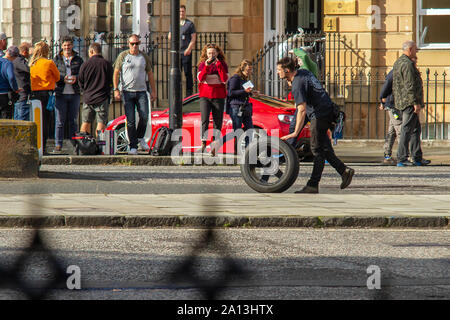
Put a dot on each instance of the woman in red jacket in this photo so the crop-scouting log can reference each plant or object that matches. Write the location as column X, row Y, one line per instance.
column 212, row 76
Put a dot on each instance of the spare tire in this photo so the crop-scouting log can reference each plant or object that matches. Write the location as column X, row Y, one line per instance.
column 270, row 165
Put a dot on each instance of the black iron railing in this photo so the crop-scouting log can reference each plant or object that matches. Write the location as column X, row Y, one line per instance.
column 359, row 93
column 265, row 61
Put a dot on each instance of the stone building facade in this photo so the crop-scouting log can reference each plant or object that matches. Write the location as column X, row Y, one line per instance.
column 377, row 29
column 33, row 20
column 241, row 20
column 374, row 28
column 369, row 34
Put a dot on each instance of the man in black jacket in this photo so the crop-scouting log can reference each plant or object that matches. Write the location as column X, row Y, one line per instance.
column 313, row 101
column 67, row 92
column 407, row 87
column 188, row 37
column 95, row 80
column 22, row 73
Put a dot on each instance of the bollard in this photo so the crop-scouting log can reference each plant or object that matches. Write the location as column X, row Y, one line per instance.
column 36, row 117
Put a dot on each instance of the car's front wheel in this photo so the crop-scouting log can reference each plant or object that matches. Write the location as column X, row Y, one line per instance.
column 122, row 143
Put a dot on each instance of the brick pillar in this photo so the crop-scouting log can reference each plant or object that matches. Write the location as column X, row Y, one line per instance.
column 253, row 32
column 45, row 14
column 99, row 12
column 67, row 17
column 26, row 21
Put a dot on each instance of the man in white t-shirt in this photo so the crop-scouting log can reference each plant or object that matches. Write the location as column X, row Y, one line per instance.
column 131, row 68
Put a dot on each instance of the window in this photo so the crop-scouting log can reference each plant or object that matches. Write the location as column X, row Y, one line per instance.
column 433, row 17
column 273, row 15
column 191, row 106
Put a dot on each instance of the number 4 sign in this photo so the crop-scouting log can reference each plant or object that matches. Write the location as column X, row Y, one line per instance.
column 330, row 24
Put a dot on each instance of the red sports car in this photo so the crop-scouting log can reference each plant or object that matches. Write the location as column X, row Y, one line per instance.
column 269, row 114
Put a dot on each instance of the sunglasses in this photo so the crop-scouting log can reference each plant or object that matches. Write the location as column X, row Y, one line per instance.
column 135, row 43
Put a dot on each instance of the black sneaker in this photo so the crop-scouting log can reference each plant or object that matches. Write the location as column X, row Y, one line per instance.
column 347, row 177
column 308, row 189
column 423, row 162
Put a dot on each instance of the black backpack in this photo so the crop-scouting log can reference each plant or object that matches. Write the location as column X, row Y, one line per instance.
column 163, row 144
column 85, row 144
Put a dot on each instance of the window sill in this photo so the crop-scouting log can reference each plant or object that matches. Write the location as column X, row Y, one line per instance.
column 434, row 46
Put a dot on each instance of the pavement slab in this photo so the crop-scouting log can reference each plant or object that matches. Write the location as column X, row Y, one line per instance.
column 200, row 210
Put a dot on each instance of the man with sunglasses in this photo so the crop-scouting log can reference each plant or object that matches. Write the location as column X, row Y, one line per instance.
column 131, row 68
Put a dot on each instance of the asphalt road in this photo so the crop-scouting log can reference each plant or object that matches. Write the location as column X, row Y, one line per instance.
column 120, row 179
column 275, row 263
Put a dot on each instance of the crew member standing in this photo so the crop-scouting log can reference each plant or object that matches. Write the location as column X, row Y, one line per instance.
column 188, row 37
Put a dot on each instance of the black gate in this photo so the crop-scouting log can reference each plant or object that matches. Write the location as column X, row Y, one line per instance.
column 265, row 62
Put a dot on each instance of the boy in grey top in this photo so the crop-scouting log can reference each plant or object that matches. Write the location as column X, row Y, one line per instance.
column 131, row 68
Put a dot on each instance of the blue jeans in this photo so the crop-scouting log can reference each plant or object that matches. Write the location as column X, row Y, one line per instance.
column 22, row 111
column 67, row 107
column 245, row 119
column 133, row 100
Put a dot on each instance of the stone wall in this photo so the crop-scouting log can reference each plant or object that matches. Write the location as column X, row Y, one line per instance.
column 377, row 30
column 27, row 20
column 33, row 20
column 242, row 20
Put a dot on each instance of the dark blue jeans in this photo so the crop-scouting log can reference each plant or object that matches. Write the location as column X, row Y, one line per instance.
column 132, row 101
column 67, row 107
column 245, row 119
column 6, row 111
column 22, row 110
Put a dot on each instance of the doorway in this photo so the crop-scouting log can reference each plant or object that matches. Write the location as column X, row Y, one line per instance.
column 306, row 14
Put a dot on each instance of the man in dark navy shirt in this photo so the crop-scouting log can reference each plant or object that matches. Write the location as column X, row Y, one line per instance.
column 188, row 36
column 313, row 101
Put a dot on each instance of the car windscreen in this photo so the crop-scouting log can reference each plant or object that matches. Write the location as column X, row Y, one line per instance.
column 192, row 105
